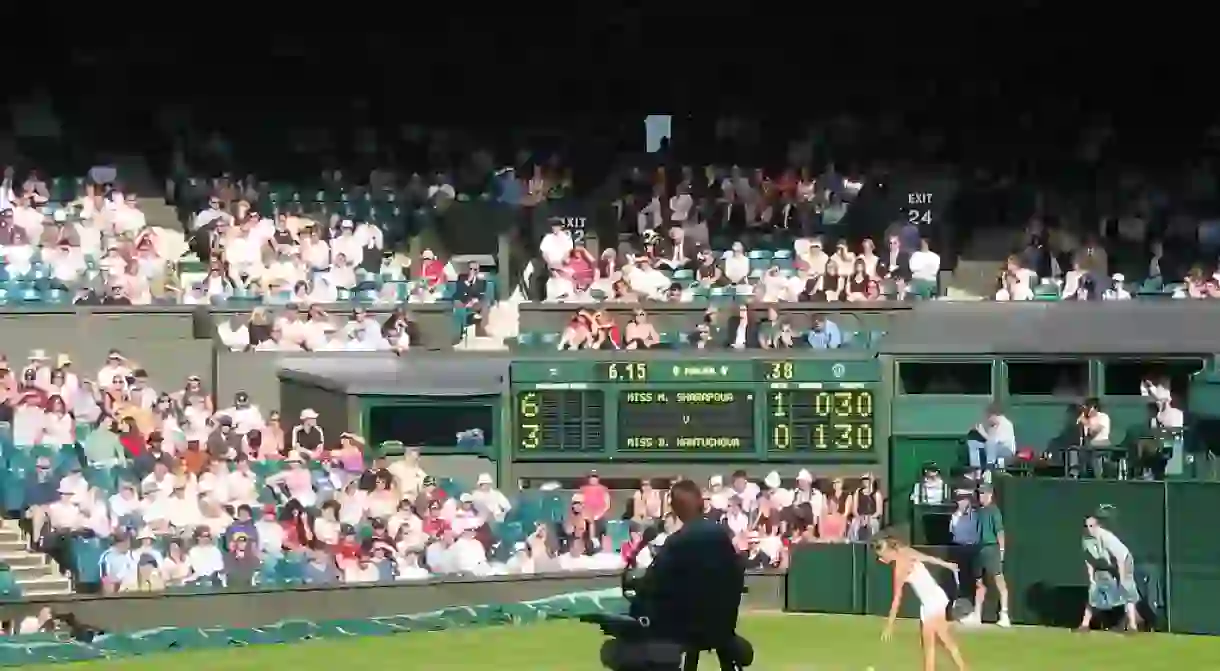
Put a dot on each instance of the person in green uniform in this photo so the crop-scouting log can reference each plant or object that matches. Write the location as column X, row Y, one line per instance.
column 991, row 554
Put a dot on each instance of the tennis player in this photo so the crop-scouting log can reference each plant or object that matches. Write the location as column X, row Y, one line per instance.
column 910, row 568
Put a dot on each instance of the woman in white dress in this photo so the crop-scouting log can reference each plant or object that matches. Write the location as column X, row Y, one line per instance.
column 910, row 568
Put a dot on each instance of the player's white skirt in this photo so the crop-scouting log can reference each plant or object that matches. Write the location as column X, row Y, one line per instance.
column 933, row 609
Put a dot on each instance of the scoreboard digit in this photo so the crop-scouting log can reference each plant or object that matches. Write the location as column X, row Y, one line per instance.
column 812, row 421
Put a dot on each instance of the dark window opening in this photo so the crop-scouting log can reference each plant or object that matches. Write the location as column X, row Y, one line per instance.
column 1062, row 378
column 429, row 425
column 1124, row 378
column 972, row 379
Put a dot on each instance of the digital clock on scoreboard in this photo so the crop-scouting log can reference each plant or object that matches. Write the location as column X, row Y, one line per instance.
column 691, row 420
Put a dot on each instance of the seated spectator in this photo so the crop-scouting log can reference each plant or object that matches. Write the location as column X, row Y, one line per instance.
column 741, row 331
column 101, row 448
column 363, row 570
column 118, row 564
column 1013, row 289
column 832, row 527
column 490, row 502
column 307, row 437
column 296, row 481
column 245, row 416
column 755, row 558
column 1116, row 291
column 145, row 578
column 205, row 559
column 270, row 533
column 241, row 562
column 576, row 558
column 408, row 475
column 520, row 563
column 126, row 507
column 579, row 333
column 737, row 265
column 176, row 569
column 825, row 334
column 320, row 569
column 41, row 491
column 606, row 333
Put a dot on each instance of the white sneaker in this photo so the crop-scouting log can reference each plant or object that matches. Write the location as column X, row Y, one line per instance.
column 1003, row 621
column 972, row 620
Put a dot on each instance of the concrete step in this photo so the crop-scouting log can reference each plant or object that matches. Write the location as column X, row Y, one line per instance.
column 34, row 573
column 25, row 559
column 45, row 586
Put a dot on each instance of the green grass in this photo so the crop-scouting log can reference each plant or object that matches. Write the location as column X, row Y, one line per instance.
column 782, row 643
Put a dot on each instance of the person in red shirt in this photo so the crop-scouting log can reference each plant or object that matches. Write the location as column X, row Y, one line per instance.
column 431, row 269
column 582, row 267
column 608, row 335
column 348, row 547
column 596, row 497
column 433, row 524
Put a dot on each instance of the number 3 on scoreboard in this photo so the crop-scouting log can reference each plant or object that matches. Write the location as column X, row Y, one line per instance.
column 780, row 370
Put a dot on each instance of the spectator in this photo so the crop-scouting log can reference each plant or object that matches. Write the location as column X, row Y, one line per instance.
column 825, row 334
column 737, row 264
column 176, row 569
column 307, row 437
column 245, row 416
column 41, row 491
column 491, row 503
column 241, row 563
column 117, row 564
column 409, row 476
column 865, row 508
column 1013, row 289
column 145, row 578
column 206, row 561
column 925, row 268
column 126, row 507
column 755, row 558
column 931, row 490
column 296, row 481
column 741, row 330
column 320, row 570
column 832, row 527
column 223, row 442
column 556, row 245
column 1116, row 291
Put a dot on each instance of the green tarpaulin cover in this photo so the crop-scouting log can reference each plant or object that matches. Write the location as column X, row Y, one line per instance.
column 48, row 648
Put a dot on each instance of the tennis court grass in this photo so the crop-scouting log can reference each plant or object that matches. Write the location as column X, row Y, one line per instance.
column 782, row 642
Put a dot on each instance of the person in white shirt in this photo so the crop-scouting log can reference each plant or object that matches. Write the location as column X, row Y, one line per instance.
column 1156, row 390
column 999, row 440
column 468, row 555
column 29, row 421
column 59, row 427
column 245, row 415
column 125, row 505
column 64, row 514
column 127, row 218
column 489, row 501
column 780, row 497
column 1169, row 417
column 205, row 559
column 1094, row 424
column 559, row 286
column 646, row 280
column 575, row 558
column 747, row 491
column 1014, row 289
column 1116, row 290
column 806, row 494
column 181, row 509
column 556, row 245
column 363, row 570
column 925, row 263
column 521, row 563
column 67, row 262
column 346, row 243
column 116, row 366
column 270, row 533
column 737, row 264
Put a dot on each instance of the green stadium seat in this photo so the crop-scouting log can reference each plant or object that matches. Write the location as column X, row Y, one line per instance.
column 86, row 554
column 619, row 532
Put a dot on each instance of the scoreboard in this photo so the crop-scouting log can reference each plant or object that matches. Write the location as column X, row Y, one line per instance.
column 744, row 409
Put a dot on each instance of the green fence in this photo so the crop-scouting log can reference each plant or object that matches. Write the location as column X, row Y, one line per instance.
column 1169, row 528
column 49, row 648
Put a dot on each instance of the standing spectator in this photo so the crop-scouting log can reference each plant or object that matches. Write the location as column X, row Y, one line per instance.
column 596, row 497
column 307, row 437
column 925, row 270
column 865, row 506
column 964, row 530
column 992, row 541
column 41, row 490
column 409, row 476
column 556, row 245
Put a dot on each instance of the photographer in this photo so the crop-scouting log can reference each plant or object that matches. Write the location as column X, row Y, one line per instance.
column 692, row 591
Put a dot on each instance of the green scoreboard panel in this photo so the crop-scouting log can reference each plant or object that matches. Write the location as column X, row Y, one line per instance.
column 771, row 409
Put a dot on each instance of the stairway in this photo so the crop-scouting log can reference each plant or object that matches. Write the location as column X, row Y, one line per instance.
column 33, row 571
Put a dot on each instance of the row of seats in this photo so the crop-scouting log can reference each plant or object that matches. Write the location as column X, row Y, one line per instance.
column 549, row 340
